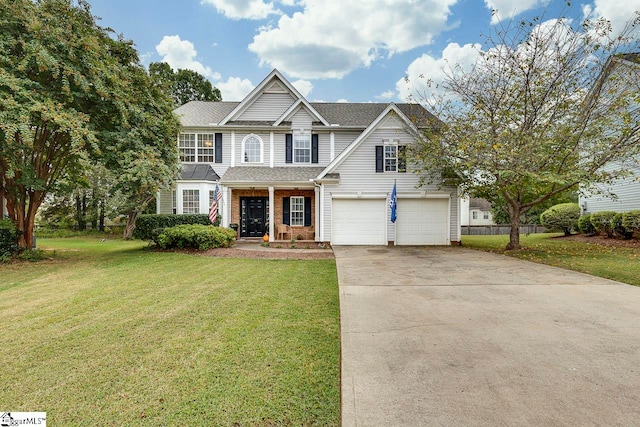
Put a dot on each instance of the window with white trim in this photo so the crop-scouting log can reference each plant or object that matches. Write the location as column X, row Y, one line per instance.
column 187, row 147
column 485, row 215
column 390, row 158
column 297, row 210
column 302, row 148
column 252, row 149
column 190, row 201
column 474, row 214
column 206, row 149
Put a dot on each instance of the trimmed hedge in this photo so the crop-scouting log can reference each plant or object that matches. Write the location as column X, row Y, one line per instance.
column 195, row 236
column 619, row 229
column 145, row 224
column 562, row 217
column 631, row 221
column 8, row 239
column 603, row 222
column 585, row 226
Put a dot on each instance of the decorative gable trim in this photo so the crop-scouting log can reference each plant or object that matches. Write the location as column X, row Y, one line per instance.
column 301, row 103
column 275, row 82
column 364, row 135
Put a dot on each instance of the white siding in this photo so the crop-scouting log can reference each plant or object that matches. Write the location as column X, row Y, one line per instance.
column 164, row 202
column 301, row 120
column 269, row 106
column 627, row 191
column 343, row 140
column 358, row 175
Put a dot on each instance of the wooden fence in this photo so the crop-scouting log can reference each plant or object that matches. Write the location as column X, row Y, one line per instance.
column 495, row 229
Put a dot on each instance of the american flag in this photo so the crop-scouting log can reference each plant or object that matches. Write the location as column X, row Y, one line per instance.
column 213, row 210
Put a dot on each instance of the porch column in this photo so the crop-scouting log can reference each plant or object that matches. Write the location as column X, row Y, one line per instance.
column 317, row 214
column 233, row 148
column 271, row 214
column 226, row 207
column 332, row 146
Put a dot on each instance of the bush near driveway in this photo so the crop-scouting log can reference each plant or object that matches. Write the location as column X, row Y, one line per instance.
column 562, row 217
column 631, row 221
column 145, row 224
column 603, row 222
column 585, row 226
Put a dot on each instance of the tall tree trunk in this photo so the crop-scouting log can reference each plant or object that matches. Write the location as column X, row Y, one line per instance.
column 131, row 224
column 101, row 215
column 514, row 233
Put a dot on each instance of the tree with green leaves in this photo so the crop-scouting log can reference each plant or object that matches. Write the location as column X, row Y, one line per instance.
column 539, row 113
column 70, row 93
column 183, row 85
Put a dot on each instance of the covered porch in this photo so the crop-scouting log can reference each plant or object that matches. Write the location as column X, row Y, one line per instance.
column 279, row 202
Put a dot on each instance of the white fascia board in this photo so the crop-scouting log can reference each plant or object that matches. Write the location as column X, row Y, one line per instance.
column 253, row 95
column 294, row 108
column 364, row 135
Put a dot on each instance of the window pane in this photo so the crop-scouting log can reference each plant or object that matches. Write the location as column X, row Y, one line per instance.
column 301, row 148
column 206, row 149
column 297, row 210
column 252, row 149
column 187, row 144
column 390, row 158
column 190, row 201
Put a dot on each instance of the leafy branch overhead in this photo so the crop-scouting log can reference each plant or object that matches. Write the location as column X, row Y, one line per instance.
column 542, row 110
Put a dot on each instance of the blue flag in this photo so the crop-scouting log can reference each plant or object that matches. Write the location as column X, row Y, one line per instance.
column 393, row 202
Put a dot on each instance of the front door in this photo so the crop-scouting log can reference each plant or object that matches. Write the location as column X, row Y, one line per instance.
column 254, row 216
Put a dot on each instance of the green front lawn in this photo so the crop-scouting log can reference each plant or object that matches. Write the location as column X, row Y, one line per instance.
column 617, row 263
column 107, row 333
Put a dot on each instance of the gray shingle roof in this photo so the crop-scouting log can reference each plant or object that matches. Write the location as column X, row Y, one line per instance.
column 262, row 174
column 359, row 115
column 203, row 113
column 198, row 172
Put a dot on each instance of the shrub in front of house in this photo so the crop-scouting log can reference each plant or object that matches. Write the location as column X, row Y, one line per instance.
column 631, row 221
column 146, row 224
column 562, row 217
column 585, row 226
column 8, row 239
column 603, row 222
column 195, row 236
column 619, row 229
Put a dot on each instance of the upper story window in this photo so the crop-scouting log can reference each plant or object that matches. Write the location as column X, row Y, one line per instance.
column 252, row 149
column 206, row 150
column 200, row 147
column 391, row 157
column 301, row 148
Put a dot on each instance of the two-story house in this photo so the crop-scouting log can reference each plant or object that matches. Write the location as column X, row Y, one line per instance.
column 295, row 169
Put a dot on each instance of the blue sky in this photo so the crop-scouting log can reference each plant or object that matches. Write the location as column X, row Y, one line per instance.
column 331, row 50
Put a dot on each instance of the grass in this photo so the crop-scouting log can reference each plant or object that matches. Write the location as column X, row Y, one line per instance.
column 617, row 263
column 107, row 333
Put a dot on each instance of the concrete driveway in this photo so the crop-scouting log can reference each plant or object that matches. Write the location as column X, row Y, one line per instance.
column 451, row 336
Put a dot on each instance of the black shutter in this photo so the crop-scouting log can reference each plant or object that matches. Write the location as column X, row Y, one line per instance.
column 379, row 158
column 314, row 148
column 289, row 148
column 402, row 158
column 307, row 211
column 285, row 211
column 218, row 148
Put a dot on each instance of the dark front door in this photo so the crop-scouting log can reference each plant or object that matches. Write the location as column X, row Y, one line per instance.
column 254, row 216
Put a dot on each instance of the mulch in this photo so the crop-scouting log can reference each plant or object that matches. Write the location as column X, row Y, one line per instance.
column 268, row 254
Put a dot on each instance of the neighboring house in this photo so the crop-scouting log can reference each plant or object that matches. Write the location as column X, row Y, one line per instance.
column 475, row 211
column 295, row 169
column 623, row 194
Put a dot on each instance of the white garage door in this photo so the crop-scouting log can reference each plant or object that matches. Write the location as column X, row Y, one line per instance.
column 422, row 222
column 358, row 222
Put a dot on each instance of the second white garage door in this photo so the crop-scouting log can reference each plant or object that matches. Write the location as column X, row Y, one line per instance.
column 358, row 222
column 422, row 222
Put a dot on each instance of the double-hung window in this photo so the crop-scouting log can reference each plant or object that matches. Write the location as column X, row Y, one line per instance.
column 302, row 148
column 391, row 157
column 187, row 146
column 206, row 150
column 190, row 201
column 297, row 210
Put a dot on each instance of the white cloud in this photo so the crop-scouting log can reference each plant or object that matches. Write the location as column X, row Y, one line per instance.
column 386, row 95
column 429, row 69
column 235, row 88
column 342, row 101
column 506, row 9
column 616, row 11
column 330, row 38
column 181, row 54
column 303, row 86
column 244, row 9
